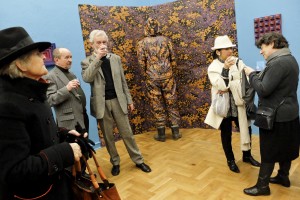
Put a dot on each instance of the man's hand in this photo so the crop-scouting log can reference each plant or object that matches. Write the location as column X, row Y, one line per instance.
column 130, row 107
column 73, row 84
column 101, row 52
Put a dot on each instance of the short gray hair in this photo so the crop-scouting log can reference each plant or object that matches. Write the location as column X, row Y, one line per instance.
column 56, row 53
column 97, row 33
column 12, row 69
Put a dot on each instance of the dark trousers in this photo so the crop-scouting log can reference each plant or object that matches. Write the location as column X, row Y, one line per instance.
column 86, row 124
column 86, row 121
column 266, row 169
column 226, row 137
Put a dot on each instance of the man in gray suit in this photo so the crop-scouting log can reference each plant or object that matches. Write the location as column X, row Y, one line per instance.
column 66, row 96
column 65, row 93
column 110, row 99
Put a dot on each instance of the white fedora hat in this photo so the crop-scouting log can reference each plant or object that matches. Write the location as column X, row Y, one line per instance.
column 222, row 42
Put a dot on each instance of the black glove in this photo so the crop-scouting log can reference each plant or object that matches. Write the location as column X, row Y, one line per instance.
column 84, row 143
column 65, row 136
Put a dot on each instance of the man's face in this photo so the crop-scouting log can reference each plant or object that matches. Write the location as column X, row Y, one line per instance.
column 99, row 41
column 65, row 60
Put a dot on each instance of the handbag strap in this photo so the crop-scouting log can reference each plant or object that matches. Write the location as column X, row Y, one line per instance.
column 76, row 172
column 280, row 104
column 99, row 170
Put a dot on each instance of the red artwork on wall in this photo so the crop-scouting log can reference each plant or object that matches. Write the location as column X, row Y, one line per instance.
column 267, row 24
column 49, row 56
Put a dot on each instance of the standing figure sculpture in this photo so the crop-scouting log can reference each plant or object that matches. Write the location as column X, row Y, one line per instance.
column 156, row 58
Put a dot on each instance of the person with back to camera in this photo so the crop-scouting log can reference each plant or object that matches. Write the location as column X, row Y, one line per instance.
column 33, row 154
column 224, row 76
column 156, row 58
column 110, row 99
column 276, row 85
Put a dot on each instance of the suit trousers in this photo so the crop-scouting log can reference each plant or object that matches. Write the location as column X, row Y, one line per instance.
column 113, row 112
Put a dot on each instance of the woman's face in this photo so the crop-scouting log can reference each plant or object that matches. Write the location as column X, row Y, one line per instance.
column 267, row 50
column 34, row 67
column 225, row 53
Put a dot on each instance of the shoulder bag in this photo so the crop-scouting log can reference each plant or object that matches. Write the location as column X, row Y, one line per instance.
column 265, row 116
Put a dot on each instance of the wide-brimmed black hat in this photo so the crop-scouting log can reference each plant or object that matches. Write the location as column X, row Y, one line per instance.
column 15, row 42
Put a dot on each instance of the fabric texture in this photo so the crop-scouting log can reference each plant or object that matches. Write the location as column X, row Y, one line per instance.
column 156, row 59
column 192, row 38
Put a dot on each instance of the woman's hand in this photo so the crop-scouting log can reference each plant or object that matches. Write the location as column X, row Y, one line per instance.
column 76, row 150
column 248, row 70
column 229, row 62
column 222, row 92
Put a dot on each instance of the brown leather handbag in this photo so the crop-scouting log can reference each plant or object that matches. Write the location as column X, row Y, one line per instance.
column 90, row 189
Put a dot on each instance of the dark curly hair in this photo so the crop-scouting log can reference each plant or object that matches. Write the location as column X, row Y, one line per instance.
column 278, row 39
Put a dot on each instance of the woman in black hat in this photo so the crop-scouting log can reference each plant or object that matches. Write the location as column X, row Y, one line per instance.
column 32, row 159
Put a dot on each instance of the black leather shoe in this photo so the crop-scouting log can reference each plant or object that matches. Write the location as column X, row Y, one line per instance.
column 232, row 166
column 252, row 161
column 144, row 167
column 258, row 191
column 115, row 171
column 281, row 180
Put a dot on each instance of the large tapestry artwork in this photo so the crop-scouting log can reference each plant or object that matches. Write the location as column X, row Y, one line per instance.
column 192, row 25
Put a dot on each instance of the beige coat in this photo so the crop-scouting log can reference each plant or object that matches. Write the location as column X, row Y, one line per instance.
column 92, row 73
column 214, row 120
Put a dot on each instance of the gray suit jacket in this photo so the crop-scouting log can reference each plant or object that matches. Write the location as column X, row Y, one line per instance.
column 92, row 73
column 67, row 105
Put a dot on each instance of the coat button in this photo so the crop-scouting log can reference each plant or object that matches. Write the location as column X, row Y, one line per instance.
column 55, row 167
column 48, row 121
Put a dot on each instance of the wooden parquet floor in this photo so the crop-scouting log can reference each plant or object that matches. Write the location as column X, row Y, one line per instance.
column 192, row 168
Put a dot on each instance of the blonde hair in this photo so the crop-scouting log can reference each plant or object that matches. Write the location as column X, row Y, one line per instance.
column 12, row 69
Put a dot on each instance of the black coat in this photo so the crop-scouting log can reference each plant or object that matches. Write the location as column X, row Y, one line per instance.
column 277, row 82
column 32, row 161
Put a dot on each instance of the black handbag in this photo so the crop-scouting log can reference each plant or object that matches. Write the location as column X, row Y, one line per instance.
column 265, row 117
